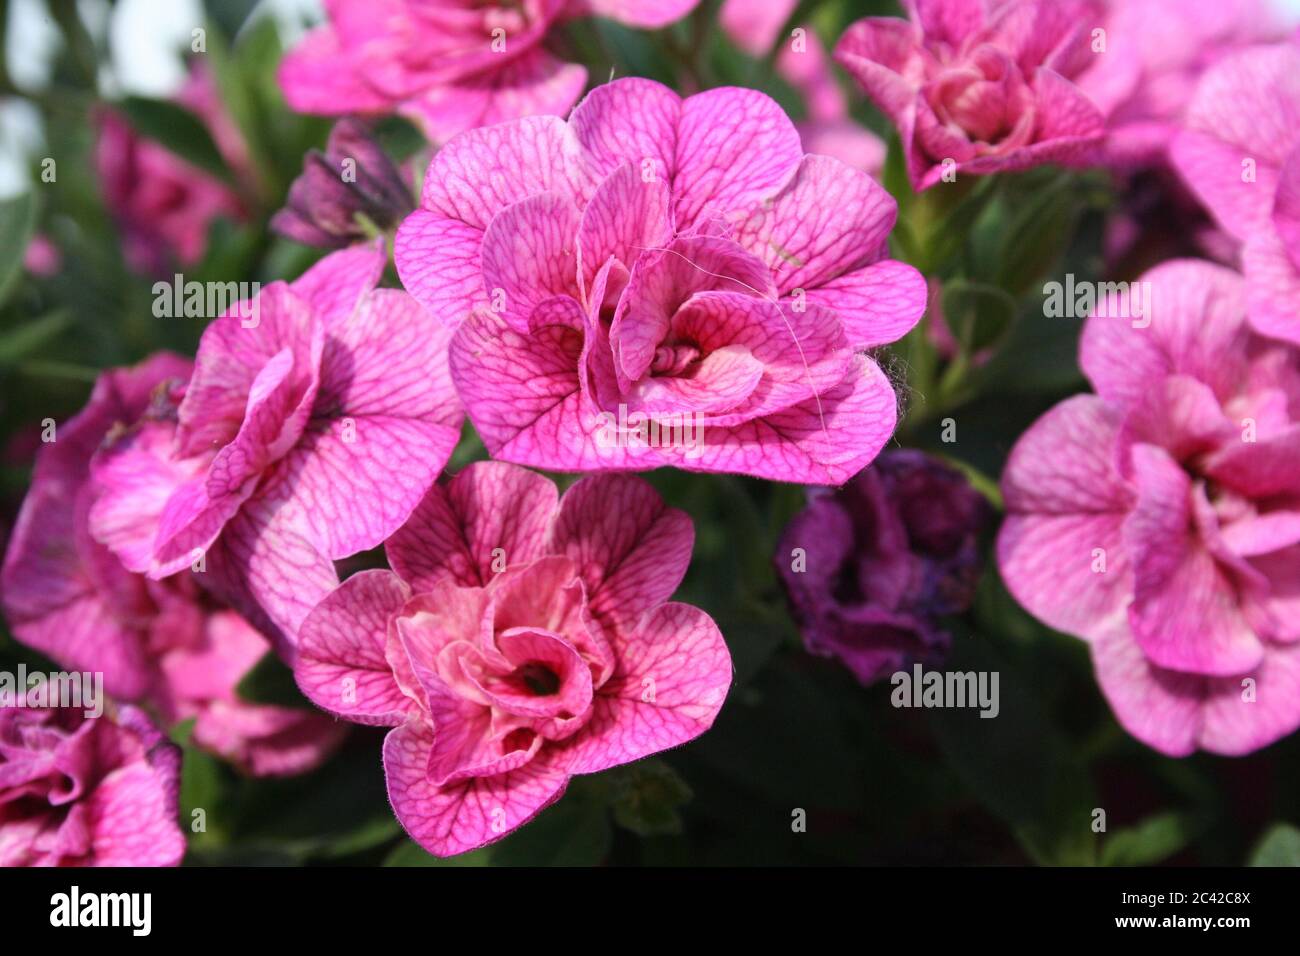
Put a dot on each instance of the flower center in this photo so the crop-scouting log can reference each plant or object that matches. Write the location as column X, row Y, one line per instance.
column 673, row 359
column 539, row 679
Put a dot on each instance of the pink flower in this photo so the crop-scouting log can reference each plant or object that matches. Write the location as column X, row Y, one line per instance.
column 316, row 418
column 42, row 257
column 753, row 26
column 81, row 791
column 1240, row 154
column 162, row 205
column 1159, row 520
column 983, row 86
column 522, row 640
column 1154, row 53
column 446, row 65
column 162, row 643
column 666, row 261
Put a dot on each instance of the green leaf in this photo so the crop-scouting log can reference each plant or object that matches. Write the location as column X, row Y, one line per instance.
column 1037, row 232
column 399, row 137
column 22, row 341
column 178, row 129
column 1018, row 764
column 978, row 315
column 894, row 176
column 1039, row 355
column 1154, row 839
column 1280, row 846
column 271, row 682
column 646, row 796
column 17, row 221
column 203, row 789
column 336, row 810
column 934, row 225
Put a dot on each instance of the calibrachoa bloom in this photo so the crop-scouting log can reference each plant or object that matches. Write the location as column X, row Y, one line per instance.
column 353, row 178
column 447, row 65
column 82, row 791
column 523, row 639
column 316, row 418
column 870, row 567
column 1240, row 154
column 1154, row 53
column 986, row 85
column 663, row 281
column 1159, row 519
column 753, row 26
column 161, row 642
column 162, row 205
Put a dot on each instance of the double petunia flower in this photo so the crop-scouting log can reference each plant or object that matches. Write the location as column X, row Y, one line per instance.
column 660, row 259
column 521, row 638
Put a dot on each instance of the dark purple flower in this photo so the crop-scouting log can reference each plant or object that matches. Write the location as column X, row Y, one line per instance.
column 870, row 567
column 352, row 178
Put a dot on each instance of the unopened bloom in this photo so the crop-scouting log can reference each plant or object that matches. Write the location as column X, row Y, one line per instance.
column 446, row 65
column 317, row 416
column 663, row 281
column 980, row 86
column 869, row 568
column 352, row 179
column 87, row 791
column 165, row 644
column 522, row 639
column 1159, row 519
column 1240, row 154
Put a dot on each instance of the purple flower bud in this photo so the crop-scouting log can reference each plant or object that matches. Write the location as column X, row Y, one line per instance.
column 870, row 567
column 353, row 176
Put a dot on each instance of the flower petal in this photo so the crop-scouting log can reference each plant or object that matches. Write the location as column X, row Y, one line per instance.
column 489, row 511
column 465, row 815
column 341, row 666
column 672, row 677
column 630, row 548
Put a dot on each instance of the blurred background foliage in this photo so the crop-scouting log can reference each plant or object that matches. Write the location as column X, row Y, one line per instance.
column 798, row 736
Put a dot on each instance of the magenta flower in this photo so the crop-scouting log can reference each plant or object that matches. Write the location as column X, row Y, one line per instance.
column 316, row 418
column 1240, row 154
column 870, row 567
column 446, row 65
column 828, row 130
column 353, row 178
column 1159, row 520
column 1155, row 51
column 980, row 86
column 161, row 643
column 162, row 205
column 663, row 281
column 42, row 257
column 81, row 791
column 522, row 640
